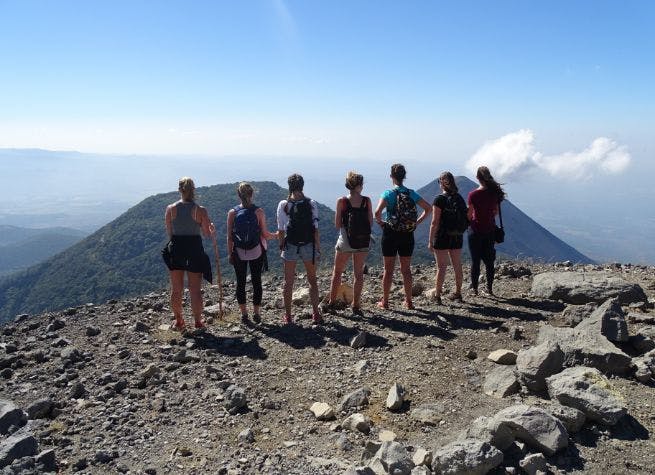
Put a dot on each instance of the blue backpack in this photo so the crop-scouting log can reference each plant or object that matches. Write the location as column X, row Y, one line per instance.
column 245, row 232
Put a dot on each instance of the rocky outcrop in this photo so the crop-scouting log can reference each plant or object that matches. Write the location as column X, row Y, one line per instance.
column 584, row 287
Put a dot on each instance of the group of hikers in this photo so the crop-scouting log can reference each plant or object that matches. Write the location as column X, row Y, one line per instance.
column 397, row 213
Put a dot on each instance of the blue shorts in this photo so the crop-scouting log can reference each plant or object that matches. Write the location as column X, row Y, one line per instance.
column 304, row 253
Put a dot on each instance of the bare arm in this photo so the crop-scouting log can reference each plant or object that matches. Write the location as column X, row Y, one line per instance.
column 337, row 214
column 434, row 225
column 426, row 210
column 261, row 219
column 206, row 225
column 168, row 222
column 378, row 211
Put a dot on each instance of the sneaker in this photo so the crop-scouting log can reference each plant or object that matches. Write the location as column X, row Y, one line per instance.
column 287, row 319
column 473, row 290
column 317, row 319
column 456, row 297
column 244, row 318
column 488, row 292
column 257, row 318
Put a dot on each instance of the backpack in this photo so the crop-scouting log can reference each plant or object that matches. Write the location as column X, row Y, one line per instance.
column 454, row 219
column 355, row 222
column 404, row 216
column 245, row 232
column 301, row 222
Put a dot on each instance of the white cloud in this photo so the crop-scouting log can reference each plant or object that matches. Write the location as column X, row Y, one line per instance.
column 514, row 154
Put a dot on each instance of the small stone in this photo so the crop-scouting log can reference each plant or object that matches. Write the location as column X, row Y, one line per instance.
column 534, row 464
column 77, row 391
column 387, row 436
column 355, row 399
column 47, row 460
column 422, row 457
column 92, row 331
column 141, row 327
column 246, row 436
column 471, row 354
column 357, row 421
column 151, row 370
column 428, row 413
column 395, row 398
column 40, row 409
column 10, row 416
column 359, row 340
column 501, row 382
column 502, row 356
column 322, row 411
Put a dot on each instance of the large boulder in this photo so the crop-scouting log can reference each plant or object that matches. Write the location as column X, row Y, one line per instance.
column 609, row 320
column 586, row 347
column 574, row 314
column 536, row 427
column 489, row 429
column 10, row 415
column 535, row 364
column 501, row 382
column 573, row 419
column 584, row 287
column 587, row 390
column 466, row 457
column 393, row 458
column 16, row 447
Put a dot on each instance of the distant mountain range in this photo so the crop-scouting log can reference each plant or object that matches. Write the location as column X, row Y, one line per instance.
column 123, row 257
column 21, row 248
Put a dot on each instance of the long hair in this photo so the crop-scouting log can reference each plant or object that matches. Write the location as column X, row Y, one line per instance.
column 245, row 192
column 296, row 183
column 484, row 177
column 187, row 188
column 447, row 181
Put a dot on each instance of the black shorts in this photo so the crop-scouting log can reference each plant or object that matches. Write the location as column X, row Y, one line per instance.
column 396, row 243
column 448, row 242
column 186, row 253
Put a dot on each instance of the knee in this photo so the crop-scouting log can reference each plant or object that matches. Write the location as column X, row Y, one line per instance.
column 442, row 268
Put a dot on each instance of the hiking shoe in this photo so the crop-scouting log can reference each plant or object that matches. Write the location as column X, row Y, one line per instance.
column 473, row 290
column 357, row 311
column 488, row 292
column 244, row 318
column 317, row 319
column 456, row 297
column 287, row 319
column 257, row 318
column 437, row 300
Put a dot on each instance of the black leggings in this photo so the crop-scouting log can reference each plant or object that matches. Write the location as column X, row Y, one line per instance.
column 481, row 246
column 241, row 270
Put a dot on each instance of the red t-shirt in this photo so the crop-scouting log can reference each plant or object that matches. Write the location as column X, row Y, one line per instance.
column 484, row 204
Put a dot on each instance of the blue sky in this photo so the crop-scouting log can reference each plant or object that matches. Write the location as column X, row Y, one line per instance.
column 361, row 79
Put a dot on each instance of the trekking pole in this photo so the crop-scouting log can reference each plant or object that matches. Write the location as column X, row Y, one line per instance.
column 219, row 279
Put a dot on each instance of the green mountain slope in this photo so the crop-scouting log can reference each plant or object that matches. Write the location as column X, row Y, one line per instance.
column 123, row 258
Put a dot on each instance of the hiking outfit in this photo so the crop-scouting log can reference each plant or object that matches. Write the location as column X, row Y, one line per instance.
column 397, row 235
column 249, row 251
column 298, row 219
column 450, row 234
column 355, row 227
column 184, row 250
column 481, row 235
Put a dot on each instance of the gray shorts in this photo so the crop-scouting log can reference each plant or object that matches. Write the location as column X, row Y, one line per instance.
column 343, row 246
column 303, row 253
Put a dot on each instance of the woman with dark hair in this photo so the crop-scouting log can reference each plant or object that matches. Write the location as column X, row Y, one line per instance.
column 297, row 223
column 483, row 205
column 246, row 245
column 449, row 221
column 184, row 253
column 353, row 217
column 398, row 232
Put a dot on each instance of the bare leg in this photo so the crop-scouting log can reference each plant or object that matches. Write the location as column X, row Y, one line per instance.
column 177, row 290
column 195, row 284
column 387, row 279
column 340, row 262
column 313, row 285
column 406, row 271
column 442, row 267
column 358, row 284
column 456, row 259
column 289, row 276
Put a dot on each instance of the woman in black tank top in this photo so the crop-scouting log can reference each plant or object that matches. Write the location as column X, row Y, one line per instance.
column 185, row 221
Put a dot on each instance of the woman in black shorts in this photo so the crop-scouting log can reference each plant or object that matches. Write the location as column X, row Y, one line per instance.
column 398, row 232
column 446, row 235
column 185, row 221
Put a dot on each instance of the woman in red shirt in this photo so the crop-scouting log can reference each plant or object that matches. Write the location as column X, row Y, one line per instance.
column 483, row 207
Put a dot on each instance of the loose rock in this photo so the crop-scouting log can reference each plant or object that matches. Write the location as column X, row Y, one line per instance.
column 501, row 382
column 395, row 398
column 535, row 364
column 535, row 427
column 470, row 456
column 507, row 357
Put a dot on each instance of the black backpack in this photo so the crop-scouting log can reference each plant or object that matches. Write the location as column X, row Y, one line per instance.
column 355, row 222
column 404, row 215
column 454, row 219
column 245, row 231
column 301, row 222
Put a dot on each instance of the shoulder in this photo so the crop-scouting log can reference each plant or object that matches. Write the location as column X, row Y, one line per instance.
column 414, row 195
column 440, row 200
column 282, row 204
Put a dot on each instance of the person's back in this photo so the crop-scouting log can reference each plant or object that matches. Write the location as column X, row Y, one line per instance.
column 484, row 203
column 184, row 223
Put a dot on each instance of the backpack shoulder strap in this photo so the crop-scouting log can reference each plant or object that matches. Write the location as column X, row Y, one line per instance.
column 500, row 215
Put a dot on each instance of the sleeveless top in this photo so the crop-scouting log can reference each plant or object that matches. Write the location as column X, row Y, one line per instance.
column 183, row 224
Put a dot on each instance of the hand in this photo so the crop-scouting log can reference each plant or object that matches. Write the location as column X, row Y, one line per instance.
column 212, row 229
column 430, row 244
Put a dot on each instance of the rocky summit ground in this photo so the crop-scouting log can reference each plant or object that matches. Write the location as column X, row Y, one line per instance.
column 109, row 388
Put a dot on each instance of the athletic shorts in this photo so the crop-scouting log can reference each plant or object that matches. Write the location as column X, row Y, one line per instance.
column 344, row 246
column 304, row 253
column 449, row 242
column 397, row 243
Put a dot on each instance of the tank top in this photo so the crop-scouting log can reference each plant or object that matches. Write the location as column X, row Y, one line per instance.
column 183, row 224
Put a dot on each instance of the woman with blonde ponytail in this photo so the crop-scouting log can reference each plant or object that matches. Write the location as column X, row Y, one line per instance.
column 483, row 205
column 247, row 234
column 185, row 222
